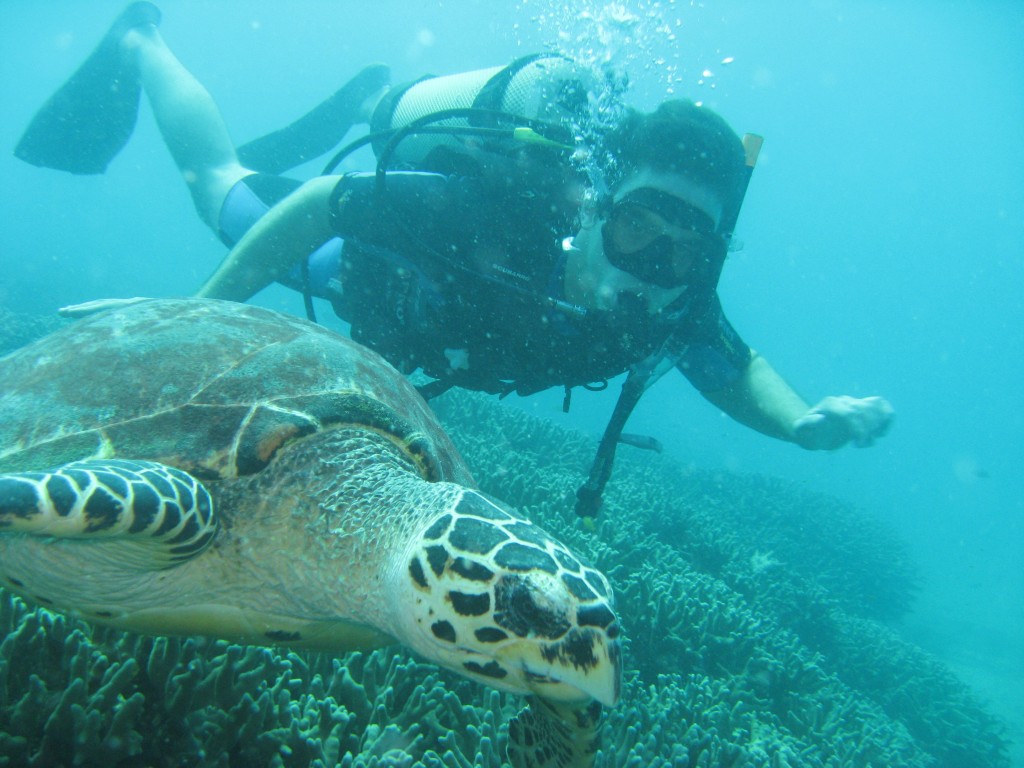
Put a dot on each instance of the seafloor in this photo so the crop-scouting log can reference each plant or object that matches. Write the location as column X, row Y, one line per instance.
column 761, row 621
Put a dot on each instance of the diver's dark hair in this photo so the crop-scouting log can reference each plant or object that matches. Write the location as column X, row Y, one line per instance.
column 679, row 137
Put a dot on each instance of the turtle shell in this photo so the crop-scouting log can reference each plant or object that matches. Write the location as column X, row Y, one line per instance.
column 211, row 387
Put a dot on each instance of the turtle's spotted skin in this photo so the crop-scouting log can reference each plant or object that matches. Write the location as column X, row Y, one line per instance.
column 506, row 585
column 201, row 467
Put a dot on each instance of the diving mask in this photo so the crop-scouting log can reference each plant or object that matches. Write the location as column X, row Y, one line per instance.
column 657, row 237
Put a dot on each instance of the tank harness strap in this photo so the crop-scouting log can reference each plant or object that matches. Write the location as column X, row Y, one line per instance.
column 435, row 388
column 640, row 378
column 438, row 387
column 592, row 386
column 307, row 291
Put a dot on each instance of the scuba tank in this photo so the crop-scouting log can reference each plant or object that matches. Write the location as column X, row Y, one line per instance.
column 514, row 127
column 546, row 92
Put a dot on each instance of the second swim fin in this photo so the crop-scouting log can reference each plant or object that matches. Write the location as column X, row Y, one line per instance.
column 319, row 130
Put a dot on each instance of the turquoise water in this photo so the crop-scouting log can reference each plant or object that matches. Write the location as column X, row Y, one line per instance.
column 883, row 231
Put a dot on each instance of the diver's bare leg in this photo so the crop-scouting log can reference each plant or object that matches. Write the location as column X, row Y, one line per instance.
column 189, row 121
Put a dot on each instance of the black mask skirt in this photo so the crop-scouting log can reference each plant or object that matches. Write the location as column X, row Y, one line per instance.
column 638, row 244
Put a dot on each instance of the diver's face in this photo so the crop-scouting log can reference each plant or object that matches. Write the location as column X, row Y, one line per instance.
column 646, row 243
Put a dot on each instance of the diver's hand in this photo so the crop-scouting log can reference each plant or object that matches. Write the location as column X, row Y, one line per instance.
column 836, row 421
column 87, row 308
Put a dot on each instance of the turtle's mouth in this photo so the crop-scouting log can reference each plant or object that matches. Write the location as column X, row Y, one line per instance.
column 581, row 667
column 548, row 684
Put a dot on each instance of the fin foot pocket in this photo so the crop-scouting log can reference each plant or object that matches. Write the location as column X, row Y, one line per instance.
column 90, row 118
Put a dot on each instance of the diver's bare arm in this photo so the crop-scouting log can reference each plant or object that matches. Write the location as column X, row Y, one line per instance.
column 285, row 235
column 762, row 400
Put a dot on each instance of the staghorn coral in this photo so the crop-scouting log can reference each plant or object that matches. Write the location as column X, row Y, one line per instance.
column 114, row 699
column 771, row 591
column 825, row 544
column 72, row 695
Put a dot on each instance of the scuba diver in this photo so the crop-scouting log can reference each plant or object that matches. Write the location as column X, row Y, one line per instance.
column 481, row 251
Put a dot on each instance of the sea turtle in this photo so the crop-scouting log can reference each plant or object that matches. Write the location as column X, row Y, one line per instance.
column 192, row 467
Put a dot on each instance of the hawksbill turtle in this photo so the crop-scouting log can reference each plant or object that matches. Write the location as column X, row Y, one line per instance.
column 195, row 467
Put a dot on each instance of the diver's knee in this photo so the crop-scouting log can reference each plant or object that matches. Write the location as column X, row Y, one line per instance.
column 209, row 189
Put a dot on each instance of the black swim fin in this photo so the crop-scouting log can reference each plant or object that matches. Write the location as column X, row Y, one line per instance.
column 319, row 130
column 91, row 117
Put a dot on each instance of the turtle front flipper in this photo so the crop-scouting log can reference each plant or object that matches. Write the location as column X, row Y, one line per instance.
column 162, row 515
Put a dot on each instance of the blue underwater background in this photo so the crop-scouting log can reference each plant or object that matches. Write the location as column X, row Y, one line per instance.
column 883, row 231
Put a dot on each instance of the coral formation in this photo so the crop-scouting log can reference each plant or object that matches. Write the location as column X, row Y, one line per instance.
column 755, row 605
column 753, row 638
column 70, row 694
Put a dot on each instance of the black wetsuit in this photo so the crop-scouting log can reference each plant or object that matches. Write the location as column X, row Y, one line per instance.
column 466, row 282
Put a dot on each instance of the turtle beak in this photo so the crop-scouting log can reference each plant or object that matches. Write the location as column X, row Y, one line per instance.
column 585, row 664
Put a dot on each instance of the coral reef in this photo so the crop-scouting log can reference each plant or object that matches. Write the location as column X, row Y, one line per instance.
column 752, row 613
column 70, row 694
column 754, row 606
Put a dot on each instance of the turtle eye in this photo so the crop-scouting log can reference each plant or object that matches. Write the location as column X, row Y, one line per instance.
column 523, row 610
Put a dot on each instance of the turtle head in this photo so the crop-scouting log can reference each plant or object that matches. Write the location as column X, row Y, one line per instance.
column 499, row 600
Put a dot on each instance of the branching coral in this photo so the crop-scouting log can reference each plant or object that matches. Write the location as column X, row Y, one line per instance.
column 767, row 594
column 112, row 699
